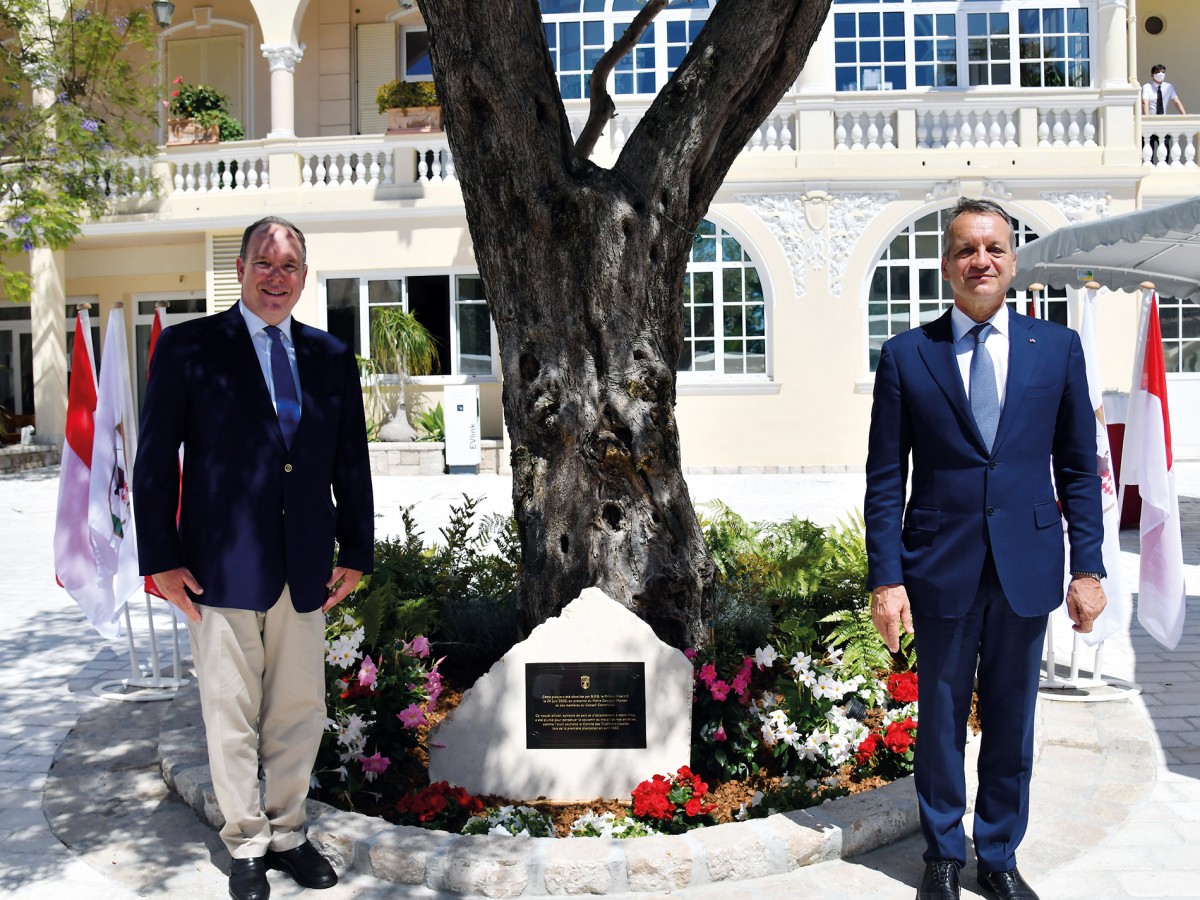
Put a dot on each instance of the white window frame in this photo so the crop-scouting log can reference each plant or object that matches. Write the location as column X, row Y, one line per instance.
column 717, row 381
column 249, row 44
column 912, row 8
column 402, row 52
column 614, row 24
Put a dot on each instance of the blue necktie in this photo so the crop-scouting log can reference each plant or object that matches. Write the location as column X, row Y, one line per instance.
column 287, row 404
column 985, row 398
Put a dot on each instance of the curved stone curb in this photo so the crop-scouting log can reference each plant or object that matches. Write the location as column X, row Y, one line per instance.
column 513, row 867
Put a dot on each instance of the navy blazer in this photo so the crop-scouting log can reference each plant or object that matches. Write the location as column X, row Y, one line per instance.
column 253, row 514
column 965, row 499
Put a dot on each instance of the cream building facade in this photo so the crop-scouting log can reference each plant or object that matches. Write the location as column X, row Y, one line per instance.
column 823, row 241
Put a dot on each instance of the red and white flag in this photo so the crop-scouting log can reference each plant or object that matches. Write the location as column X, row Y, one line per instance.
column 1147, row 462
column 110, row 512
column 1115, row 618
column 75, row 564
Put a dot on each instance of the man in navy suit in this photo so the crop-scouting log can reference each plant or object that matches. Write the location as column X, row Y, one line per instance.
column 988, row 405
column 269, row 414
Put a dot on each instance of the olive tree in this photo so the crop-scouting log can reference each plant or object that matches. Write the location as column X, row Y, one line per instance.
column 583, row 269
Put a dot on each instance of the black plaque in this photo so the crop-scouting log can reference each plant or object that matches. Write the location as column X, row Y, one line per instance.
column 581, row 706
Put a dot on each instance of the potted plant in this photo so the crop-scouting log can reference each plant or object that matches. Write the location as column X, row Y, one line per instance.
column 411, row 106
column 198, row 115
column 400, row 346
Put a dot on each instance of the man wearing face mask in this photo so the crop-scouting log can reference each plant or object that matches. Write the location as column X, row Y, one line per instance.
column 1158, row 94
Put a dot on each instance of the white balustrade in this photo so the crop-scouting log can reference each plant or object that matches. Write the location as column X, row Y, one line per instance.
column 865, row 130
column 1169, row 142
column 966, row 129
column 346, row 168
column 1066, row 128
column 220, row 171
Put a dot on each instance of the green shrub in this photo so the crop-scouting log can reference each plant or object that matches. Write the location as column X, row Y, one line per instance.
column 401, row 94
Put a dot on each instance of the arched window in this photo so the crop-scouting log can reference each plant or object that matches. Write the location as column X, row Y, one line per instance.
column 724, row 310
column 907, row 288
column 579, row 31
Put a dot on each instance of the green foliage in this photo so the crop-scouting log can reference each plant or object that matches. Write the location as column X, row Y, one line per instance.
column 76, row 101
column 201, row 102
column 401, row 94
column 432, row 423
column 401, row 345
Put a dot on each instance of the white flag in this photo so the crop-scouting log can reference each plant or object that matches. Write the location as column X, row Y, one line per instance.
column 75, row 564
column 1115, row 618
column 110, row 513
column 1147, row 461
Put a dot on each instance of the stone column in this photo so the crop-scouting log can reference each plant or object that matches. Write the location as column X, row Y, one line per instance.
column 1113, row 57
column 47, row 270
column 817, row 75
column 282, row 59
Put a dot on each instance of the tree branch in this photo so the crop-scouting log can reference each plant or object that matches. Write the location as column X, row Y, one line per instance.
column 602, row 108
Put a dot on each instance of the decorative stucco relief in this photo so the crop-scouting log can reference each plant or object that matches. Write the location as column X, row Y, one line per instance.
column 818, row 229
column 1079, row 206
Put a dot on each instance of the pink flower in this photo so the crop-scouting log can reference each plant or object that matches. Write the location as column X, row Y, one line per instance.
column 374, row 765
column 741, row 683
column 708, row 673
column 412, row 717
column 367, row 673
column 690, row 652
column 178, row 80
column 720, row 690
column 719, row 734
column 419, row 646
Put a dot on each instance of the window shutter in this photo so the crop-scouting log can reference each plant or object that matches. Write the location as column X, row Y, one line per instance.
column 223, row 286
column 376, row 64
column 214, row 60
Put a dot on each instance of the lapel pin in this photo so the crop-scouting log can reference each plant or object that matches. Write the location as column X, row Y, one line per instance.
column 1033, row 340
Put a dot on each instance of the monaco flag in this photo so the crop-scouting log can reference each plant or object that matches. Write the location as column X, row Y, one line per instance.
column 75, row 564
column 1115, row 618
column 110, row 513
column 1147, row 462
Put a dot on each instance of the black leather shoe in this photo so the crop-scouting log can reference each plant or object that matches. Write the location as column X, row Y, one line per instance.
column 248, row 879
column 1006, row 885
column 940, row 881
column 305, row 864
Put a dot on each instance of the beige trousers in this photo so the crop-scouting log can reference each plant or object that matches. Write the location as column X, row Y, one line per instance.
column 262, row 693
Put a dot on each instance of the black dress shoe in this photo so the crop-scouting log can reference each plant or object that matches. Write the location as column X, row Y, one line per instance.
column 305, row 864
column 1006, row 885
column 940, row 881
column 248, row 879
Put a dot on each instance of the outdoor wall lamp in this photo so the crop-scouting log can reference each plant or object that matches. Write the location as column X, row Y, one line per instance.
column 163, row 11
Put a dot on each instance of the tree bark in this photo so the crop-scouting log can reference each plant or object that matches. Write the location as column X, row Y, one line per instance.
column 583, row 270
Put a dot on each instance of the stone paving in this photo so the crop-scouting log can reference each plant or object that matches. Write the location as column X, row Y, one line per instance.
column 84, row 810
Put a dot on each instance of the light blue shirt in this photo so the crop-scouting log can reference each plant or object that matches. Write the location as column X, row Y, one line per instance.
column 997, row 346
column 262, row 346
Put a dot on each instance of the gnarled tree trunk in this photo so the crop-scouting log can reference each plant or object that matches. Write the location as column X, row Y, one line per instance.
column 583, row 271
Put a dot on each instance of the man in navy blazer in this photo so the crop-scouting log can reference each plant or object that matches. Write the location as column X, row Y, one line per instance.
column 269, row 414
column 992, row 409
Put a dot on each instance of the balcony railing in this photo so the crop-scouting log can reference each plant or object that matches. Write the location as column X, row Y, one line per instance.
column 805, row 132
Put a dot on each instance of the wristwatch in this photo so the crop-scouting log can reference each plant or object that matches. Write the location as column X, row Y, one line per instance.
column 1099, row 578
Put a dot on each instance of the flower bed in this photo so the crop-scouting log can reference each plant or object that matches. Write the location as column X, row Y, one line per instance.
column 796, row 700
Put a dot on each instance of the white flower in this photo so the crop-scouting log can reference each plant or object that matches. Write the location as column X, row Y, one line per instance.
column 806, row 678
column 764, row 657
column 835, row 657
column 777, row 717
column 790, row 734
column 828, row 686
column 348, row 619
column 801, row 662
column 767, row 701
column 768, row 734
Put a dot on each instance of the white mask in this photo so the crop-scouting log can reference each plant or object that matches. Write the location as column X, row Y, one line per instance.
column 1160, row 77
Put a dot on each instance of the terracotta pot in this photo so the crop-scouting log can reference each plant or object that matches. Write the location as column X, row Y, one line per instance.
column 410, row 119
column 186, row 131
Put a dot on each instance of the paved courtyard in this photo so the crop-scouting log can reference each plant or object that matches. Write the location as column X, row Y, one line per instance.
column 83, row 812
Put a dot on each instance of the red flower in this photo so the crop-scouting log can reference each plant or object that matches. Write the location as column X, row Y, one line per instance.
column 899, row 738
column 902, row 686
column 692, row 807
column 867, row 749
